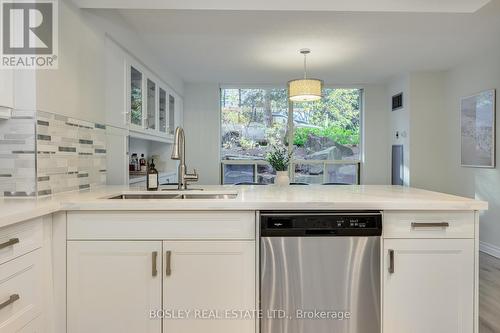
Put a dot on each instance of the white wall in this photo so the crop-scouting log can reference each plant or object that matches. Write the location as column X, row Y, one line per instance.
column 400, row 123
column 479, row 74
column 202, row 125
column 375, row 169
column 427, row 119
column 419, row 124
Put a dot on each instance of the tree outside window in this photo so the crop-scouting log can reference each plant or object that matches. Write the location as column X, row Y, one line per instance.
column 252, row 120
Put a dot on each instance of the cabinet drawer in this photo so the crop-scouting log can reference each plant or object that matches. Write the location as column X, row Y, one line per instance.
column 20, row 292
column 160, row 225
column 20, row 239
column 428, row 225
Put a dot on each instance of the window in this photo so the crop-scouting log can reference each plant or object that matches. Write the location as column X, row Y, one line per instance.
column 325, row 135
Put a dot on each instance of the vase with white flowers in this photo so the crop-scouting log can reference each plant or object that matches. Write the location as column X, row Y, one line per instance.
column 279, row 158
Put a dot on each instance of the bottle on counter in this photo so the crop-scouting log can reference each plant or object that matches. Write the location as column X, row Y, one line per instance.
column 152, row 177
column 133, row 163
column 142, row 163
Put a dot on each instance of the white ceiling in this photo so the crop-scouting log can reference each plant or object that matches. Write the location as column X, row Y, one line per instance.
column 443, row 6
column 347, row 48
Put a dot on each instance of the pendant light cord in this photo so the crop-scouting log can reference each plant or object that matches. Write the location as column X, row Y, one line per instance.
column 305, row 66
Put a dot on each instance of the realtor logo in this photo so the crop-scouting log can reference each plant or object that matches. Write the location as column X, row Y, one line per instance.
column 29, row 34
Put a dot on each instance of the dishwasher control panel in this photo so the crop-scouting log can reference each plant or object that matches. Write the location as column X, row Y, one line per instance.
column 279, row 224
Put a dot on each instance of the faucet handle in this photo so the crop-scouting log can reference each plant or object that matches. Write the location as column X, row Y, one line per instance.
column 191, row 176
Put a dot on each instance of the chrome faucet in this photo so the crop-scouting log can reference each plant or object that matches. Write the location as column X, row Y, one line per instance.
column 179, row 153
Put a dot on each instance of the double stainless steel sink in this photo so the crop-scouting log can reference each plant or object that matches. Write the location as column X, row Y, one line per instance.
column 175, row 196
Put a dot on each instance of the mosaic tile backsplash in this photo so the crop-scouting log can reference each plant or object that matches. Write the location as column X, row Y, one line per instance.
column 71, row 154
column 17, row 154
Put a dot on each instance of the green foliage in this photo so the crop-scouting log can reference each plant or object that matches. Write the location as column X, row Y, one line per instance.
column 334, row 133
column 243, row 106
column 339, row 107
column 279, row 158
column 274, row 134
column 336, row 116
column 233, row 117
column 136, row 105
column 247, row 143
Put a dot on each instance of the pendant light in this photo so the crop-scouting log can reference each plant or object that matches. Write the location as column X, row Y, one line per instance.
column 306, row 89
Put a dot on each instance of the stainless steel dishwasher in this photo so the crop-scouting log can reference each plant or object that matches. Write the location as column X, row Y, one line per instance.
column 320, row 272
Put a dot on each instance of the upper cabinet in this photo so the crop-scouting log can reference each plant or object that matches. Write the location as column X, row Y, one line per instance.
column 154, row 107
column 136, row 98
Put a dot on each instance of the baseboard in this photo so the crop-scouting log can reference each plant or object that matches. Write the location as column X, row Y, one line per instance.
column 490, row 249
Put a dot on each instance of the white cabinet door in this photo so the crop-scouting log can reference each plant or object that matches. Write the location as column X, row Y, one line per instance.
column 431, row 287
column 112, row 286
column 210, row 276
column 162, row 110
column 6, row 88
column 151, row 105
column 136, row 87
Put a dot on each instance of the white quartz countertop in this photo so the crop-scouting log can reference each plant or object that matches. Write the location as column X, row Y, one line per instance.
column 364, row 197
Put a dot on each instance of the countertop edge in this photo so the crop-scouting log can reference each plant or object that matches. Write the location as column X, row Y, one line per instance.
column 362, row 197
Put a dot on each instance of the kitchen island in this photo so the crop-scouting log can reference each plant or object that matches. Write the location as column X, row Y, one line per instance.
column 85, row 262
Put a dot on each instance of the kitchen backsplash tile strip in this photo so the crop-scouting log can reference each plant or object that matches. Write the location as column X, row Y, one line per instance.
column 71, row 154
column 17, row 155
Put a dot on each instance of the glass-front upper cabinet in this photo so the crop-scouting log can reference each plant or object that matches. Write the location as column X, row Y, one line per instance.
column 136, row 102
column 151, row 106
column 162, row 110
column 171, row 114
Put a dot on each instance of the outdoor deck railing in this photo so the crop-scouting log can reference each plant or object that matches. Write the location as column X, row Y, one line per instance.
column 319, row 177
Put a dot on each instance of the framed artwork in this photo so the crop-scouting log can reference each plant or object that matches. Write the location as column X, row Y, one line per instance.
column 477, row 119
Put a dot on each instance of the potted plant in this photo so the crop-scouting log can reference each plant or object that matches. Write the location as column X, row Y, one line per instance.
column 279, row 158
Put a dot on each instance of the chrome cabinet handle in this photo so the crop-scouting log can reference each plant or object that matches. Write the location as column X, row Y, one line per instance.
column 8, row 243
column 8, row 302
column 391, row 261
column 153, row 264
column 430, row 225
column 168, row 256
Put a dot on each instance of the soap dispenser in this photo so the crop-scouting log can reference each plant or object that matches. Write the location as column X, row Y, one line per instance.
column 152, row 177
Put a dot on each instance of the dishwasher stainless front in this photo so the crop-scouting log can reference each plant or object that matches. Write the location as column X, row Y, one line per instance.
column 320, row 272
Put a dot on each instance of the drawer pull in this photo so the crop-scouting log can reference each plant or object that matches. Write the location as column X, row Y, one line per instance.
column 154, row 269
column 168, row 270
column 391, row 261
column 430, row 225
column 8, row 302
column 8, row 243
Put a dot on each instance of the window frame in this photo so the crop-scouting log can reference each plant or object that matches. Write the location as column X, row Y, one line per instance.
column 358, row 162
